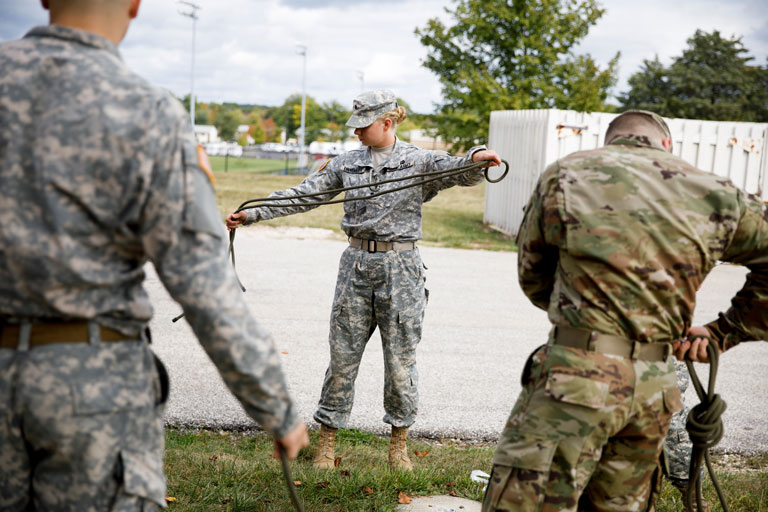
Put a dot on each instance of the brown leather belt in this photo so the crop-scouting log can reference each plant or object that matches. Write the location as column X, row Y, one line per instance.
column 378, row 246
column 594, row 341
column 48, row 333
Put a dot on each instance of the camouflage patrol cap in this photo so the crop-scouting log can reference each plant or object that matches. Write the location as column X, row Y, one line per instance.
column 653, row 115
column 368, row 106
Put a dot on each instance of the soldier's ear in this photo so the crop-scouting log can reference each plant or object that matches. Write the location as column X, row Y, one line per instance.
column 133, row 9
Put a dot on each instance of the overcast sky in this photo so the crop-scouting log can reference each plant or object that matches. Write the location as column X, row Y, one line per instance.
column 246, row 49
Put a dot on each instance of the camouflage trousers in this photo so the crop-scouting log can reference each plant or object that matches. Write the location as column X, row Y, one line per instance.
column 384, row 289
column 81, row 428
column 677, row 445
column 586, row 433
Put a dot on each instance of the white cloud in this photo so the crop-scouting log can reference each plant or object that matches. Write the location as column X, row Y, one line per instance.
column 246, row 49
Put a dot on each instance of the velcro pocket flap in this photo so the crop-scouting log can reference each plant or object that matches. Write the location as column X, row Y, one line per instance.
column 577, row 390
column 525, row 450
column 672, row 399
column 143, row 476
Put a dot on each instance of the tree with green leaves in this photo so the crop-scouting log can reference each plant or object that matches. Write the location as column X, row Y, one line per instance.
column 712, row 80
column 227, row 122
column 512, row 54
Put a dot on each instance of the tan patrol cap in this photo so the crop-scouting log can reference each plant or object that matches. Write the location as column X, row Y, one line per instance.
column 653, row 115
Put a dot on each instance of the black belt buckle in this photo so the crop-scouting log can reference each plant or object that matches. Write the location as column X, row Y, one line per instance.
column 369, row 246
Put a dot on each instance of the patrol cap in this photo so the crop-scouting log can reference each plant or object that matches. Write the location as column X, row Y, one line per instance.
column 368, row 106
column 653, row 115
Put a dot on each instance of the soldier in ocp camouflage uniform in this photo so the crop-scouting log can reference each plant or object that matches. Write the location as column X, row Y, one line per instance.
column 381, row 276
column 614, row 244
column 99, row 173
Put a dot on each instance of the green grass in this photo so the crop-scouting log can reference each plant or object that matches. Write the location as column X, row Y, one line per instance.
column 453, row 219
column 210, row 471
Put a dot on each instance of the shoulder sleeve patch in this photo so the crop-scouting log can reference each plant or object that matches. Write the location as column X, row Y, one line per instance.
column 205, row 164
column 324, row 165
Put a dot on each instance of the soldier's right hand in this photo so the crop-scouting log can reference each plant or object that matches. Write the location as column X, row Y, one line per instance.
column 234, row 219
column 293, row 442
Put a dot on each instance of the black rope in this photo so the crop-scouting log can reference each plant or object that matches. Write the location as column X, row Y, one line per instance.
column 265, row 202
column 705, row 428
column 288, row 481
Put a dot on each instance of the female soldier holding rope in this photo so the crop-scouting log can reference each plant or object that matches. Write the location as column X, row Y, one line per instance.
column 381, row 275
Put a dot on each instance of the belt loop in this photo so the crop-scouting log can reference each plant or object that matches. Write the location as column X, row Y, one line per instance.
column 94, row 333
column 374, row 246
column 25, row 330
column 635, row 350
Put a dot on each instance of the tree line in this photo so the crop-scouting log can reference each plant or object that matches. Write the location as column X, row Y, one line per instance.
column 521, row 54
column 323, row 121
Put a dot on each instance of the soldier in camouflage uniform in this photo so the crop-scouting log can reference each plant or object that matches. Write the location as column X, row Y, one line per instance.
column 381, row 276
column 99, row 174
column 614, row 244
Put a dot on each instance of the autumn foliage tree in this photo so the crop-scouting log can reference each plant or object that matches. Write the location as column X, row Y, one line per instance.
column 512, row 54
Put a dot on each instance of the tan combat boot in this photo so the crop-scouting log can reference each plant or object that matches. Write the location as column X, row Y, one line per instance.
column 324, row 458
column 398, row 452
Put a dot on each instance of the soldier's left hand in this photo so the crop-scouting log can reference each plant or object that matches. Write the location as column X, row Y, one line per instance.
column 487, row 154
column 695, row 345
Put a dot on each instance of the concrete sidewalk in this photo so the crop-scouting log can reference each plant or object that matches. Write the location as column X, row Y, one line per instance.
column 479, row 330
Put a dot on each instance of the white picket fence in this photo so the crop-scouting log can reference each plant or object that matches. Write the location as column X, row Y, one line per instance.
column 531, row 139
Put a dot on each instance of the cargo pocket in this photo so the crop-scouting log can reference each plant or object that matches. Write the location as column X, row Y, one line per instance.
column 410, row 321
column 520, row 472
column 143, row 476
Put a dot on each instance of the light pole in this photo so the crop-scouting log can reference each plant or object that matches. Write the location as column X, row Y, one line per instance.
column 192, row 13
column 302, row 50
column 361, row 76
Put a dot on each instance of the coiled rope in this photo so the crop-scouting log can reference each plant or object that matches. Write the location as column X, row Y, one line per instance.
column 705, row 428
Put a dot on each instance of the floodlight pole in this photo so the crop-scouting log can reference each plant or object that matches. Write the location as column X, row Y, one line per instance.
column 302, row 50
column 192, row 13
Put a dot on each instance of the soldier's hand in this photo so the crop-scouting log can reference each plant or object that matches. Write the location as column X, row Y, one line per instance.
column 695, row 345
column 488, row 155
column 235, row 219
column 293, row 442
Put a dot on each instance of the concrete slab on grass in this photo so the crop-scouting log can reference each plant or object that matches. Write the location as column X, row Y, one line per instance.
column 440, row 504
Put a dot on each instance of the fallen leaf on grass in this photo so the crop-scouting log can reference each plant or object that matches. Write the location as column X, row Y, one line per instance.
column 336, row 461
column 453, row 493
column 403, row 498
column 213, row 458
column 344, row 472
column 421, row 454
column 367, row 490
column 322, row 485
column 450, row 484
column 297, row 483
column 170, row 499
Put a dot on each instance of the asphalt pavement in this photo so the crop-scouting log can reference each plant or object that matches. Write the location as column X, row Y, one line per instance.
column 478, row 331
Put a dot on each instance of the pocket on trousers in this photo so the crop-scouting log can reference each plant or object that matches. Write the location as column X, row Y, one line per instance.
column 122, row 386
column 520, row 472
column 672, row 400
column 143, row 476
column 577, row 390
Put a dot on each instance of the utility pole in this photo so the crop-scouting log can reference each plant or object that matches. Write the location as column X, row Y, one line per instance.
column 361, row 77
column 302, row 50
column 192, row 13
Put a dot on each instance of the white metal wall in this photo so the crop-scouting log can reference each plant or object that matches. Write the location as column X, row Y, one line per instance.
column 531, row 139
